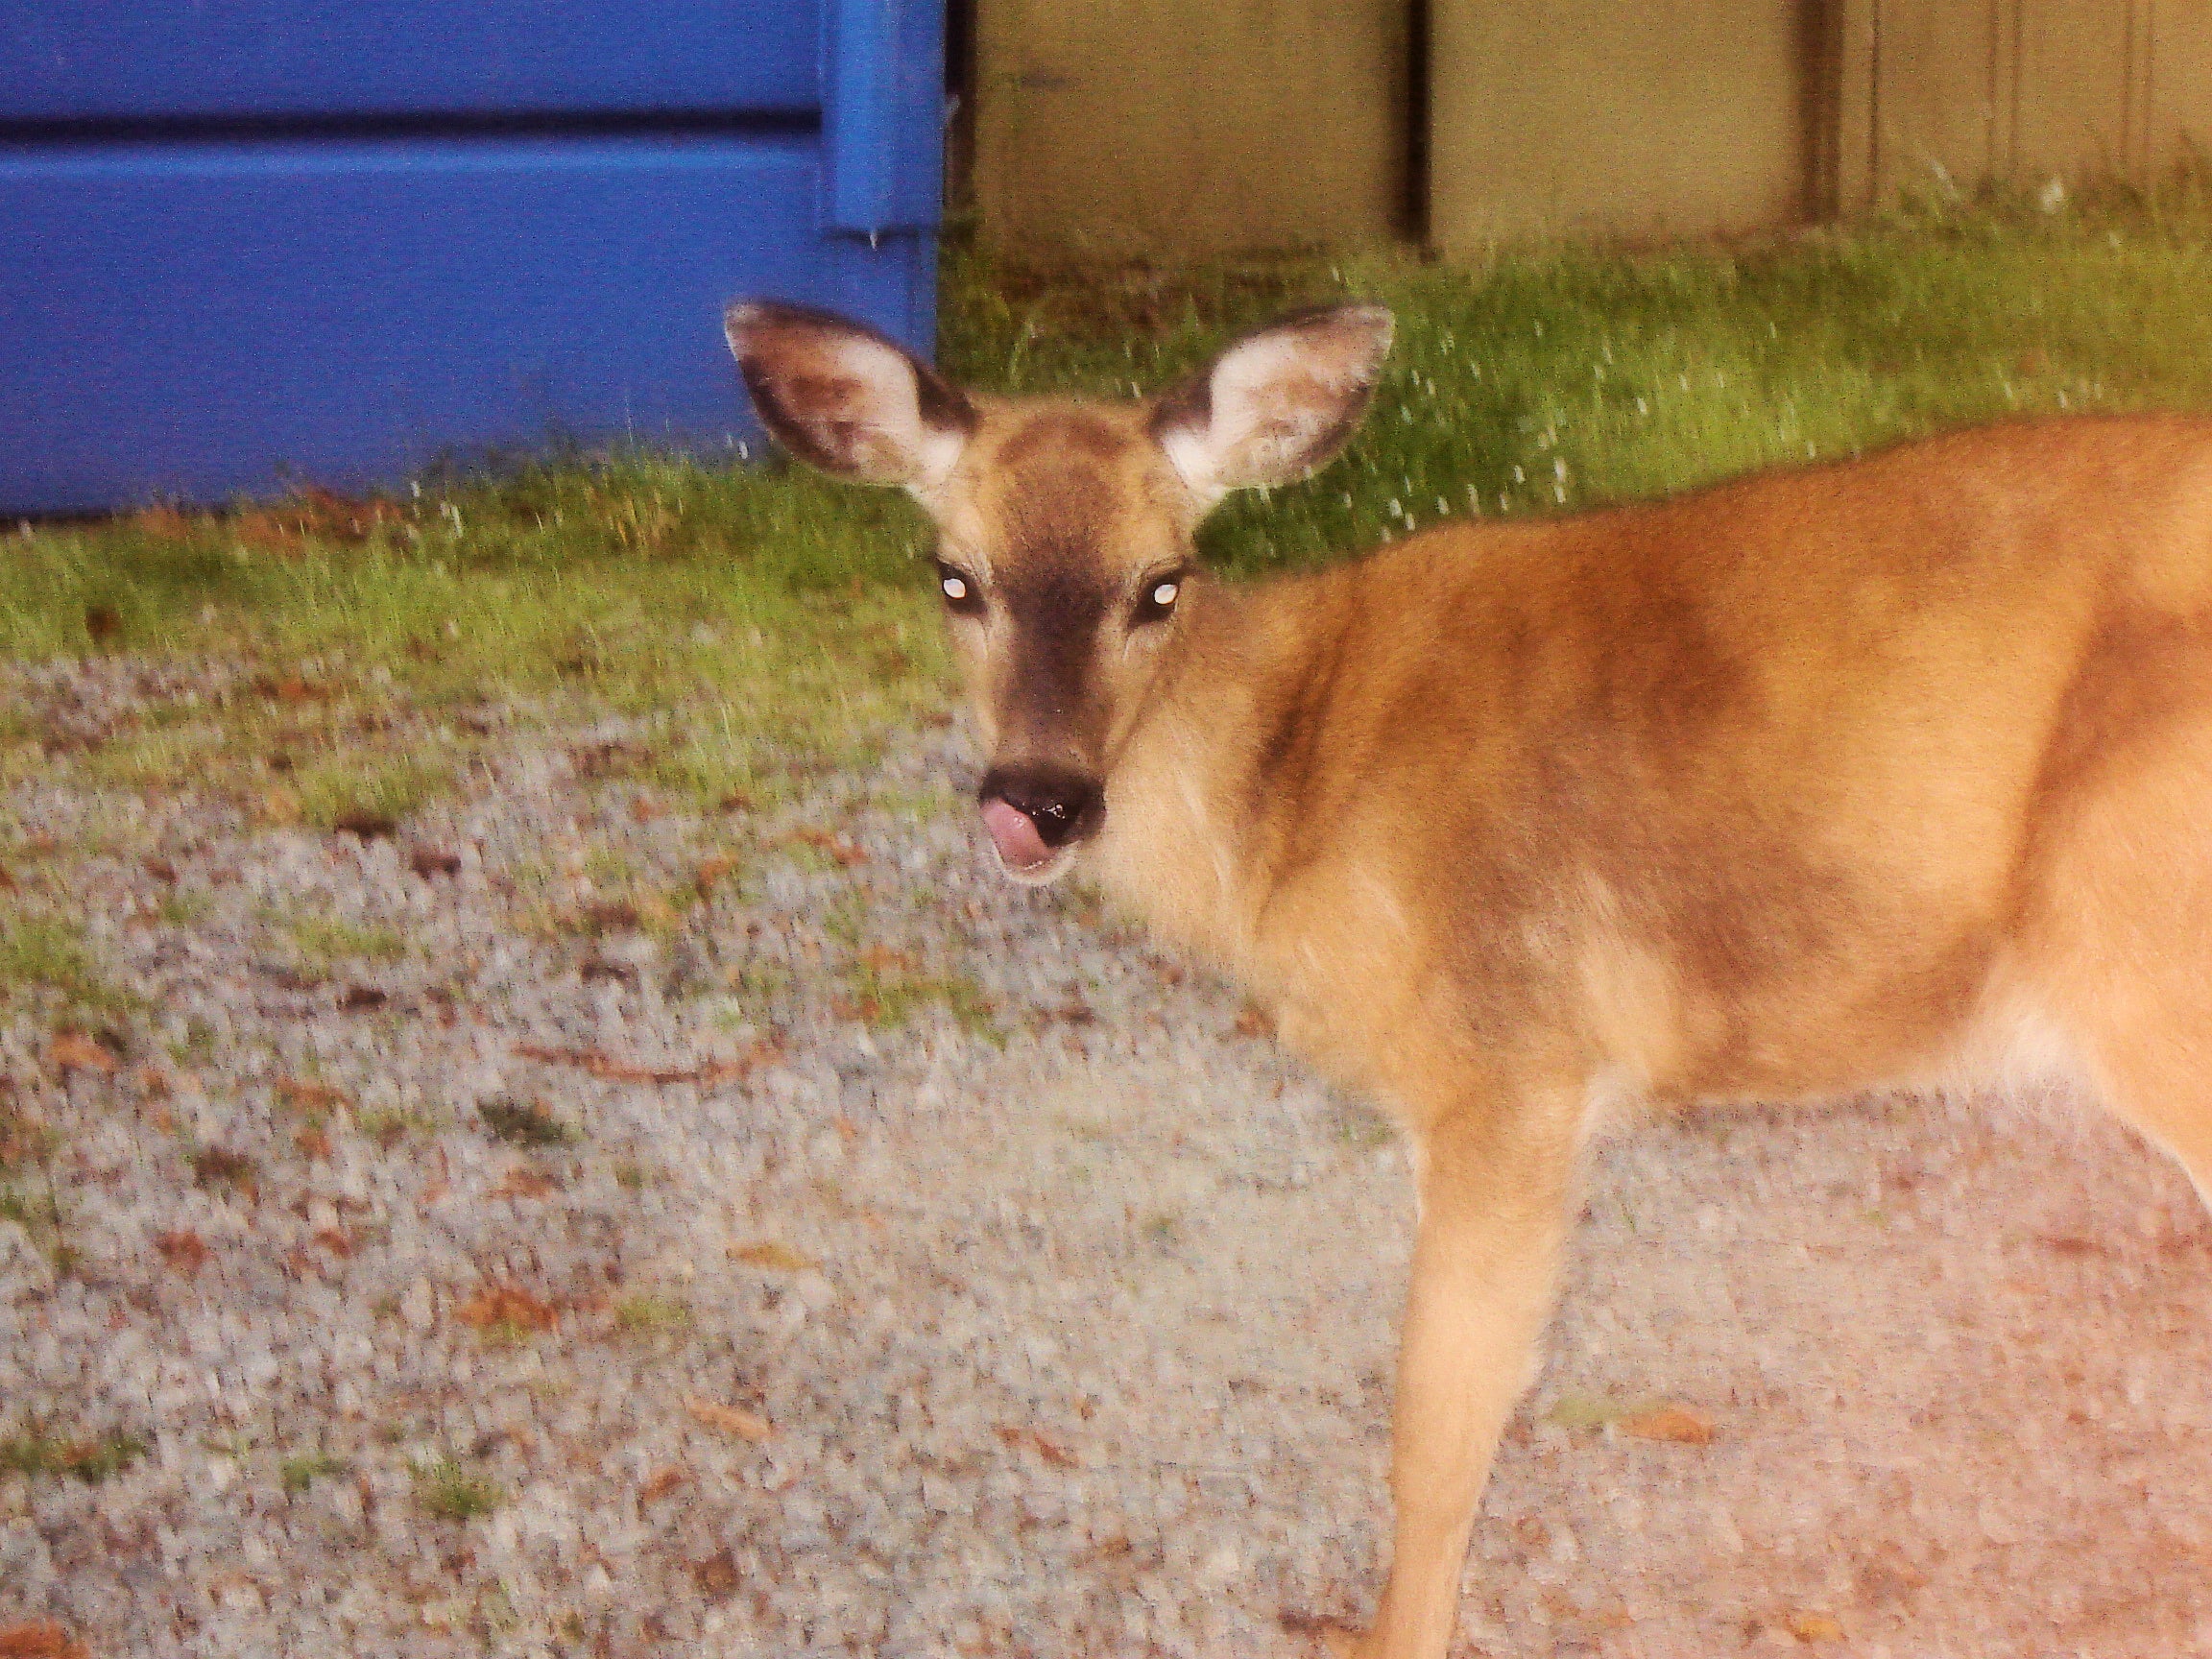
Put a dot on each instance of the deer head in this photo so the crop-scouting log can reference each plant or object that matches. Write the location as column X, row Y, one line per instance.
column 1065, row 549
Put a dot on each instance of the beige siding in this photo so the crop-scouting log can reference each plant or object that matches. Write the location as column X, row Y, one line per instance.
column 1189, row 126
column 2026, row 90
column 1588, row 114
column 1195, row 126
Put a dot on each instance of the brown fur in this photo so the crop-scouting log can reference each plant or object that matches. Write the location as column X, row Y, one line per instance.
column 1824, row 779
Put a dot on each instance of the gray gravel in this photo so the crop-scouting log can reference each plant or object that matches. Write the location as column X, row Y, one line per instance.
column 1062, row 1327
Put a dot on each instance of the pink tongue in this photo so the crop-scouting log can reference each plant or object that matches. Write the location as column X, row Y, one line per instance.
column 1015, row 835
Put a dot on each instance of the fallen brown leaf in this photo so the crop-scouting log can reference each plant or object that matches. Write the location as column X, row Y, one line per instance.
column 717, row 1576
column 729, row 1419
column 73, row 1051
column 1809, row 1626
column 185, row 1250
column 1053, row 1454
column 360, row 999
column 6, row 881
column 643, row 810
column 610, row 916
column 367, row 824
column 161, row 869
column 101, row 622
column 312, row 1142
column 665, row 1479
column 302, row 1096
column 770, row 1253
column 523, row 1182
column 594, row 1063
column 40, row 1639
column 335, row 1239
column 429, row 861
column 710, row 871
column 840, row 849
column 1673, row 1423
column 507, row 1305
column 1253, row 1021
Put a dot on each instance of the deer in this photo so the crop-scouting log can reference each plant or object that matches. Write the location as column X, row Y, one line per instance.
column 1870, row 774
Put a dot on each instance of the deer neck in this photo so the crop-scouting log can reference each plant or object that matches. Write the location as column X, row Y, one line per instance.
column 1189, row 816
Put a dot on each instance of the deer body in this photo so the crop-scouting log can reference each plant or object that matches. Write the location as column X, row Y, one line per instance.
column 1815, row 782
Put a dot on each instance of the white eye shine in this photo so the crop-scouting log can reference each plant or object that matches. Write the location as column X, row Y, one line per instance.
column 1164, row 595
column 955, row 589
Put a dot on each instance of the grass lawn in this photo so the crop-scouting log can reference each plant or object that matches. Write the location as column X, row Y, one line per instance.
column 789, row 620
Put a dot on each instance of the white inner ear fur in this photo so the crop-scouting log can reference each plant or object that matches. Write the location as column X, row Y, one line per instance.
column 1273, row 398
column 902, row 448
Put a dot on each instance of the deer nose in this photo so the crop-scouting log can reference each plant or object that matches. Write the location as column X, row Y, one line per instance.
column 1061, row 803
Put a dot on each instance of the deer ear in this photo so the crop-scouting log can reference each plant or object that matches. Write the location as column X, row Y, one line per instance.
column 1278, row 404
column 841, row 396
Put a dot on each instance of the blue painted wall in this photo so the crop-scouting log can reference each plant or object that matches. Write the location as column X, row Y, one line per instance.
column 253, row 245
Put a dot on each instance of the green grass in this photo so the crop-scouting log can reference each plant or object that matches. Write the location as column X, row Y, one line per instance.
column 44, row 963
column 450, row 1490
column 1561, row 377
column 886, row 997
column 528, row 1124
column 90, row 1461
column 789, row 620
column 647, row 1315
column 321, row 943
column 297, row 1474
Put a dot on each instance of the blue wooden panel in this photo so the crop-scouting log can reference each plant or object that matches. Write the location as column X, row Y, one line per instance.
column 209, row 319
column 882, row 127
column 151, row 59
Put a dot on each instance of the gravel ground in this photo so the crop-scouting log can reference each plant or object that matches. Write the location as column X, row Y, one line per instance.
column 916, row 1265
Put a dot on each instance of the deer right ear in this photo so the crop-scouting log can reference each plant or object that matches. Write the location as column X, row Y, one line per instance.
column 1277, row 404
column 841, row 396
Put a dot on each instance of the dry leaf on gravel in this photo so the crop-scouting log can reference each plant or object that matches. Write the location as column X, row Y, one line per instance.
column 729, row 1419
column 429, row 861
column 366, row 825
column 185, row 1250
column 305, row 1096
column 710, row 871
column 507, row 1305
column 1809, row 1626
column 161, row 869
column 644, row 810
column 1677, row 1424
column 41, row 1639
column 525, row 1182
column 73, row 1051
column 717, row 1576
column 767, row 1253
column 1051, row 1450
column 312, row 1142
column 594, row 1063
column 360, row 999
column 665, row 1479
column 840, row 849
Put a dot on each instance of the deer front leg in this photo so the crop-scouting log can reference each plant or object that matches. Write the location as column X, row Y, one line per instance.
column 1492, row 1216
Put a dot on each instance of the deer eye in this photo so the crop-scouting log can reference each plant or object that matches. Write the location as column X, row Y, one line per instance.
column 1159, row 599
column 961, row 595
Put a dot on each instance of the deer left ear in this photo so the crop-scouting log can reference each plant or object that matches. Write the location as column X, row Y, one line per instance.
column 841, row 396
column 1278, row 404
